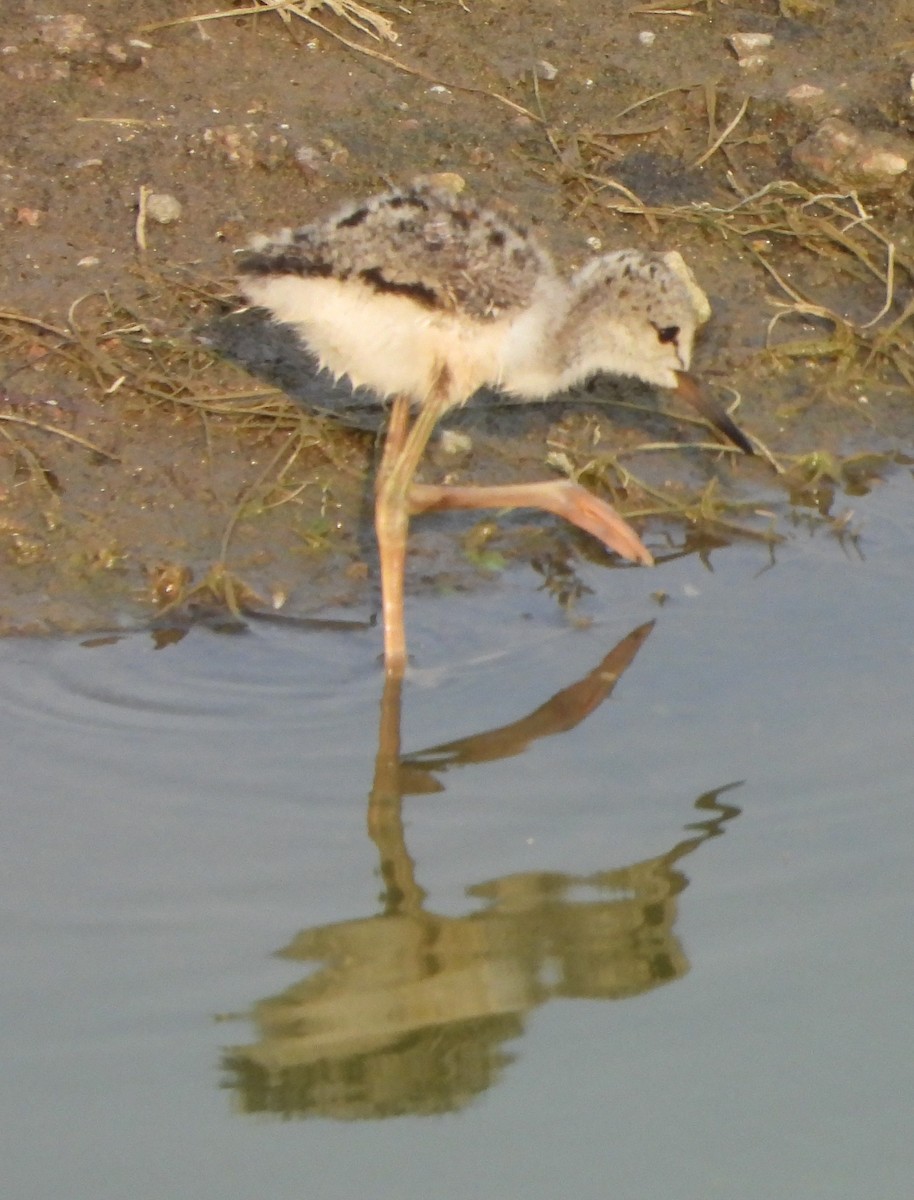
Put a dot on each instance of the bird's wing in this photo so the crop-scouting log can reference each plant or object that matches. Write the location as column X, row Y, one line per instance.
column 444, row 252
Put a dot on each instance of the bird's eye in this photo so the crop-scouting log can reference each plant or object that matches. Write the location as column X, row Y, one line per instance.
column 669, row 333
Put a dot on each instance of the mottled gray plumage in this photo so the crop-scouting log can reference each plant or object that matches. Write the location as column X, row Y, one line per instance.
column 425, row 242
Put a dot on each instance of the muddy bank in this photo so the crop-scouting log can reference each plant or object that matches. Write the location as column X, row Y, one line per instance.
column 151, row 462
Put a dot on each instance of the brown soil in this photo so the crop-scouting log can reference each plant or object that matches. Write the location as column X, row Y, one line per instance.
column 142, row 468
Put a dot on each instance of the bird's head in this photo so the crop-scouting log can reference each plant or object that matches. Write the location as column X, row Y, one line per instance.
column 637, row 313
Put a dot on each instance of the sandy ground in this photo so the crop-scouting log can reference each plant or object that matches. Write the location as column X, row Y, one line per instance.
column 150, row 461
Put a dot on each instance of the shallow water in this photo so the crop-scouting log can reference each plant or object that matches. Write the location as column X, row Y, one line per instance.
column 639, row 926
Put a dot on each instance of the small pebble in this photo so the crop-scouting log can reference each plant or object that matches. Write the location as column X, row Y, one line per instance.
column 750, row 43
column 453, row 442
column 67, row 33
column 309, row 161
column 749, row 48
column 163, row 208
column 25, row 215
column 843, row 155
column 804, row 93
column 124, row 55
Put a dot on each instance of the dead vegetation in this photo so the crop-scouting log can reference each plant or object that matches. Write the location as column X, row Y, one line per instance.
column 366, row 20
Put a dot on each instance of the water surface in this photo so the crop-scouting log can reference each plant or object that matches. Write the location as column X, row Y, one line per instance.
column 629, row 914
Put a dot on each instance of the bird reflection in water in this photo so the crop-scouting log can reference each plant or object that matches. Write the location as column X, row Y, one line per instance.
column 409, row 1011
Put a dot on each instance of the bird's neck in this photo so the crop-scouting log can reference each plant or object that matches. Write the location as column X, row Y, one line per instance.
column 534, row 358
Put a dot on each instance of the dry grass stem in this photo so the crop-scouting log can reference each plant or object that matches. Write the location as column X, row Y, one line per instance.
column 662, row 10
column 364, row 19
column 61, row 433
column 722, row 137
column 671, row 91
column 34, row 322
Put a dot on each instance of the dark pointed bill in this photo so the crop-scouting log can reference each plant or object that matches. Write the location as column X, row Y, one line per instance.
column 689, row 389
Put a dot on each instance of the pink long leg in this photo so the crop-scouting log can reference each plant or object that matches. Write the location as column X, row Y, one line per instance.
column 558, row 496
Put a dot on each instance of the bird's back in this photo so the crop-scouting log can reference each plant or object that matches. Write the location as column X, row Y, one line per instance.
column 424, row 243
